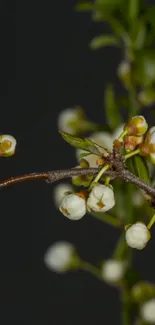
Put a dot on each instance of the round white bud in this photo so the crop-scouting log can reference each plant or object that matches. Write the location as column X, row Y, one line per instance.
column 7, row 145
column 73, row 206
column 59, row 256
column 101, row 198
column 112, row 271
column 148, row 311
column 137, row 235
column 68, row 120
column 59, row 192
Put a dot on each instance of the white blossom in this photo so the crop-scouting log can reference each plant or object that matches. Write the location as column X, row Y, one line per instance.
column 59, row 192
column 137, row 235
column 59, row 256
column 113, row 270
column 68, row 120
column 73, row 206
column 7, row 145
column 148, row 311
column 101, row 198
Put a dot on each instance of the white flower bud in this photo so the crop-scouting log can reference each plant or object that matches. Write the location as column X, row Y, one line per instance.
column 101, row 198
column 137, row 235
column 73, row 206
column 7, row 145
column 113, row 271
column 58, row 256
column 69, row 119
column 148, row 311
column 59, row 192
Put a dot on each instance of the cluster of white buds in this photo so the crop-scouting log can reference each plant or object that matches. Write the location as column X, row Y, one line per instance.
column 147, row 311
column 113, row 271
column 59, row 256
column 7, row 145
column 135, row 130
column 100, row 199
column 137, row 235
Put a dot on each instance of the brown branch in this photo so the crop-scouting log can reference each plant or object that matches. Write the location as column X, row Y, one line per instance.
column 54, row 176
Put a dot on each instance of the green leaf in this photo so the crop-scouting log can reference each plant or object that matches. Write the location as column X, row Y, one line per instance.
column 84, row 6
column 103, row 40
column 85, row 154
column 111, row 110
column 145, row 67
column 133, row 9
column 137, row 165
column 138, row 34
column 80, row 143
column 108, row 4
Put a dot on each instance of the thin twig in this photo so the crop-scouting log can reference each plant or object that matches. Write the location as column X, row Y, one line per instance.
column 54, row 176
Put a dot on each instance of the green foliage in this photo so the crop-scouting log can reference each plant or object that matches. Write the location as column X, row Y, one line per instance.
column 133, row 9
column 137, row 165
column 80, row 143
column 102, row 41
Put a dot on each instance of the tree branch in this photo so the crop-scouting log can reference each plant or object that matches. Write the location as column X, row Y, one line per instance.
column 54, row 176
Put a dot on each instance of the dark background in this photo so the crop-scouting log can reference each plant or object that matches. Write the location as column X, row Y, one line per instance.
column 46, row 66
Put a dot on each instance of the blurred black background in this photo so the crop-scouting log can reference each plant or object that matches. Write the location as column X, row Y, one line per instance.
column 46, row 66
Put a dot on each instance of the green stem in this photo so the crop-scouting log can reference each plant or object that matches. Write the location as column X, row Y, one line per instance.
column 133, row 153
column 152, row 221
column 107, row 218
column 122, row 135
column 126, row 306
column 90, row 268
column 101, row 172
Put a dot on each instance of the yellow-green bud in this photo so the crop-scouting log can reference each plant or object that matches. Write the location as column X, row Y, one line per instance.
column 142, row 291
column 137, row 126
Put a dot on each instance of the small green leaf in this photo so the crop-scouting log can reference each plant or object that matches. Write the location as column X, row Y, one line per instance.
column 103, row 40
column 138, row 34
column 80, row 143
column 133, row 9
column 141, row 168
column 82, row 155
column 138, row 166
column 111, row 110
column 84, row 6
